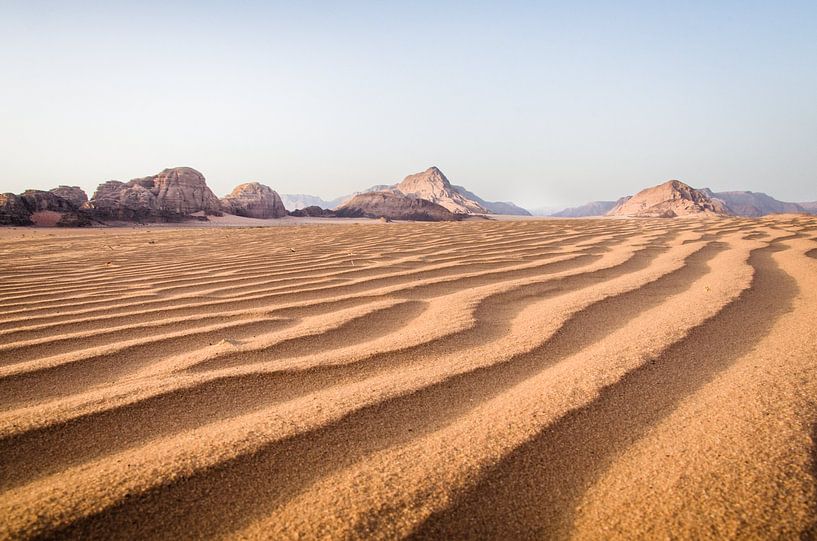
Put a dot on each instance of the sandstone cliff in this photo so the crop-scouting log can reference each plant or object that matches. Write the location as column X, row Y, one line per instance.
column 172, row 195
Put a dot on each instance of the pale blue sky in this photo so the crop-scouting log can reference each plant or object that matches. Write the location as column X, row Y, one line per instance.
column 543, row 103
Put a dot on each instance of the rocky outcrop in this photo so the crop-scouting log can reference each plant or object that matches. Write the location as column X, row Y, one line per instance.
column 394, row 206
column 74, row 194
column 754, row 204
column 312, row 211
column 13, row 211
column 182, row 190
column 126, row 201
column 594, row 208
column 253, row 200
column 80, row 218
column 432, row 185
column 668, row 200
column 50, row 208
column 172, row 195
column 39, row 200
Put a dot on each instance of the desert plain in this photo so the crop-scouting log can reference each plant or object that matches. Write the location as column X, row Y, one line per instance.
column 550, row 379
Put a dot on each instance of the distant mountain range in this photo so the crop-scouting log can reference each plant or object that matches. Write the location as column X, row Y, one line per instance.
column 433, row 186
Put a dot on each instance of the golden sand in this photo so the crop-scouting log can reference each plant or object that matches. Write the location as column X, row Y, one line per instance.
column 590, row 379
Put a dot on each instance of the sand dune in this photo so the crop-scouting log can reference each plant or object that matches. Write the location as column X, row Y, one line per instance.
column 506, row 379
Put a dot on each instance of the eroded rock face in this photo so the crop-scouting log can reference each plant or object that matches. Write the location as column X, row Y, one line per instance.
column 432, row 185
column 172, row 195
column 13, row 211
column 182, row 190
column 254, row 200
column 74, row 194
column 131, row 201
column 668, row 200
column 39, row 200
column 52, row 208
column 394, row 206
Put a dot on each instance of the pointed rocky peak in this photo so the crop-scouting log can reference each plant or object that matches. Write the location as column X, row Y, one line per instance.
column 431, row 178
column 432, row 185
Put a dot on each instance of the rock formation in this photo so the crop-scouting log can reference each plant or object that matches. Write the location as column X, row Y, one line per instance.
column 39, row 200
column 182, row 190
column 13, row 211
column 254, row 200
column 126, row 201
column 432, row 185
column 172, row 195
column 394, row 206
column 74, row 194
column 668, row 200
column 50, row 208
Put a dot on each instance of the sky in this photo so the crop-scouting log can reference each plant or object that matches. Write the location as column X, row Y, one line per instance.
column 541, row 103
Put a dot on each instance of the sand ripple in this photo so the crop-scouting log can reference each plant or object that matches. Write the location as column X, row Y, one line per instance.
column 521, row 379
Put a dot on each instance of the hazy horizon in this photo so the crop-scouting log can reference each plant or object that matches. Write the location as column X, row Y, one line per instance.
column 542, row 105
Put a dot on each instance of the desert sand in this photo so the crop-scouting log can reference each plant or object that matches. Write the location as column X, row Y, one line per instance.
column 587, row 379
